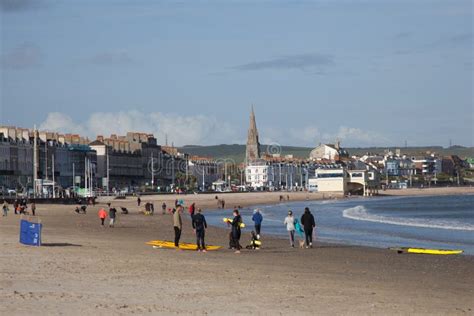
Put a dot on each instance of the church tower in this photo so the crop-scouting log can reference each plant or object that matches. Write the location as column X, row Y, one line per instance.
column 253, row 145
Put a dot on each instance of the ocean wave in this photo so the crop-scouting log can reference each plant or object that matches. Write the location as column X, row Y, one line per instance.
column 360, row 213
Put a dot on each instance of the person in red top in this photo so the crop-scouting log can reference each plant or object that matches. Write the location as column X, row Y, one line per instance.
column 102, row 215
column 192, row 209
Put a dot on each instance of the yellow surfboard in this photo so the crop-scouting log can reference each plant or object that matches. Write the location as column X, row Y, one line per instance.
column 183, row 246
column 429, row 251
column 229, row 220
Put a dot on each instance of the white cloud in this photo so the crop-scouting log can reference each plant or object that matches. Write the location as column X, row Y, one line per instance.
column 311, row 136
column 182, row 130
column 59, row 122
column 359, row 137
column 203, row 130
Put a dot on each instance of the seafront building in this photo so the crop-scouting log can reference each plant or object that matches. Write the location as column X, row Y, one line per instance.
column 67, row 162
column 203, row 172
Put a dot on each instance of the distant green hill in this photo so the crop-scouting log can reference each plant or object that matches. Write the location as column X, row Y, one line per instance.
column 237, row 152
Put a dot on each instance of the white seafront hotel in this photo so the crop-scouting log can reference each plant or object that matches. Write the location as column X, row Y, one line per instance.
column 262, row 175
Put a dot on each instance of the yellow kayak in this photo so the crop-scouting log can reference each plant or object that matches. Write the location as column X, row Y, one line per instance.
column 183, row 246
column 429, row 251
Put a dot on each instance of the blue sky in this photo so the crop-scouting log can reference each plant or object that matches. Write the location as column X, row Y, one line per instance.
column 365, row 72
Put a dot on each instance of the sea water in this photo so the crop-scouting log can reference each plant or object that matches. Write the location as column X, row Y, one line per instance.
column 442, row 222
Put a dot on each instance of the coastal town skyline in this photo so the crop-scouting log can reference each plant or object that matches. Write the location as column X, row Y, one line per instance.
column 159, row 69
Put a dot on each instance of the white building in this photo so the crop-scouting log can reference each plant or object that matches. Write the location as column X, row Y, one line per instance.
column 342, row 180
column 262, row 175
column 329, row 180
column 331, row 152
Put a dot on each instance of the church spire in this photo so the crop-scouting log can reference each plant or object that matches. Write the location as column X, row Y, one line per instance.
column 253, row 144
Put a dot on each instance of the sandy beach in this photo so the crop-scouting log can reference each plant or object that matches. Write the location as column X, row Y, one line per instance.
column 84, row 268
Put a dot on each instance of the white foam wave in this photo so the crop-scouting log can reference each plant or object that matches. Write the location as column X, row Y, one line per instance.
column 360, row 213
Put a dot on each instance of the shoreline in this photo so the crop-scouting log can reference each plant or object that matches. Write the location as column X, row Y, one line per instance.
column 85, row 268
column 412, row 193
column 251, row 199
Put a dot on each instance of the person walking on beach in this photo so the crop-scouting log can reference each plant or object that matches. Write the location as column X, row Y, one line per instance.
column 290, row 227
column 5, row 208
column 163, row 208
column 192, row 209
column 200, row 226
column 236, row 232
column 112, row 216
column 307, row 220
column 33, row 208
column 102, row 215
column 257, row 218
column 139, row 201
column 178, row 225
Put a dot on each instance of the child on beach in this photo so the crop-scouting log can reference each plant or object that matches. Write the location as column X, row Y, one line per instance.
column 102, row 215
column 255, row 243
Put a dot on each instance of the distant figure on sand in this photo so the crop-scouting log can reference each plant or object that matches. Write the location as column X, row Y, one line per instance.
column 112, row 216
column 5, row 208
column 200, row 226
column 163, row 208
column 236, row 232
column 257, row 218
column 33, row 209
column 307, row 220
column 139, row 201
column 192, row 209
column 178, row 225
column 290, row 227
column 102, row 215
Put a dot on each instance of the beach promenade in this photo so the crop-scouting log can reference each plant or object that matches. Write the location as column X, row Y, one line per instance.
column 84, row 268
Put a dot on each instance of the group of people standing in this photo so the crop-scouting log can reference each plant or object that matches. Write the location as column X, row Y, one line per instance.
column 198, row 222
column 305, row 225
column 19, row 207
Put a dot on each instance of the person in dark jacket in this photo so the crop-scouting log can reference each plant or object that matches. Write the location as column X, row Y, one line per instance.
column 112, row 216
column 257, row 218
column 178, row 225
column 199, row 226
column 307, row 220
column 236, row 232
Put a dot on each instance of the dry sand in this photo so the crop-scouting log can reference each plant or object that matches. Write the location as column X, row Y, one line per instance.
column 86, row 269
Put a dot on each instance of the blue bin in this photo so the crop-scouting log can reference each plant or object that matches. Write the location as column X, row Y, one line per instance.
column 30, row 233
